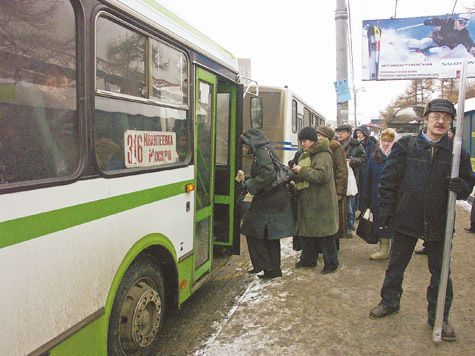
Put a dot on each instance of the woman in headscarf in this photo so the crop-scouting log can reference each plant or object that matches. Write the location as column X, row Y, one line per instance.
column 376, row 163
column 270, row 216
column 317, row 202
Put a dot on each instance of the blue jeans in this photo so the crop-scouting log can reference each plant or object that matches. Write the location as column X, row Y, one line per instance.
column 311, row 247
column 402, row 248
column 351, row 209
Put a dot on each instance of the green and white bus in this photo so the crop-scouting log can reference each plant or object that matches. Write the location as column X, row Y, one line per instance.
column 119, row 127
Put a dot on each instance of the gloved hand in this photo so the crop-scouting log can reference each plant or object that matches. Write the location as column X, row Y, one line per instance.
column 385, row 217
column 455, row 185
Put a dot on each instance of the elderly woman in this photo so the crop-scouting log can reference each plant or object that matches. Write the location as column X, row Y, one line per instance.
column 340, row 172
column 270, row 216
column 376, row 163
column 317, row 204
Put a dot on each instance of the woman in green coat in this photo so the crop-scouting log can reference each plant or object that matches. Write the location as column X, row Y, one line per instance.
column 317, row 204
column 270, row 216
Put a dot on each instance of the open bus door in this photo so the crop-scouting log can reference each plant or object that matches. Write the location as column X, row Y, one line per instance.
column 228, row 161
column 216, row 158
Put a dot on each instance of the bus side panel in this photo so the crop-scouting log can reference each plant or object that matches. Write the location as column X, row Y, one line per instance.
column 68, row 273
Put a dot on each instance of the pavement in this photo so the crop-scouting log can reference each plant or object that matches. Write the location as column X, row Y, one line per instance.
column 308, row 313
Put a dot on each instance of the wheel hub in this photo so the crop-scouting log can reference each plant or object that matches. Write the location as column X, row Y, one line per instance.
column 140, row 316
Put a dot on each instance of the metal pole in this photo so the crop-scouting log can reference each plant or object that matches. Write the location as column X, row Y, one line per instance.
column 354, row 103
column 449, row 229
column 341, row 26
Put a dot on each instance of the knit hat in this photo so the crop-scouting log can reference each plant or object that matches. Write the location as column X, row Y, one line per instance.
column 440, row 105
column 388, row 135
column 308, row 133
column 344, row 127
column 326, row 131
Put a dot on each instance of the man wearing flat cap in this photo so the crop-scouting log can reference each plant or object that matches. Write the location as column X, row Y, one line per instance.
column 356, row 157
column 414, row 191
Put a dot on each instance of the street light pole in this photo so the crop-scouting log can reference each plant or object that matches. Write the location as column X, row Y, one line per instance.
column 341, row 25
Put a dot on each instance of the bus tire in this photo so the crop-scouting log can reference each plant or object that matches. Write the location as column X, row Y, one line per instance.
column 138, row 310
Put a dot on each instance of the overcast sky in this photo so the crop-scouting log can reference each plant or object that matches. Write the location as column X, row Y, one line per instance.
column 293, row 42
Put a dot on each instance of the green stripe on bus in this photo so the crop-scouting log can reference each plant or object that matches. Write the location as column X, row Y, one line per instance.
column 186, row 25
column 30, row 227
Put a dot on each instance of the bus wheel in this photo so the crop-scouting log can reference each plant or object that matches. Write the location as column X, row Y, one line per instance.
column 138, row 309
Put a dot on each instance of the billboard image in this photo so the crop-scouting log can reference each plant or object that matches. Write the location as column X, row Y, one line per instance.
column 418, row 47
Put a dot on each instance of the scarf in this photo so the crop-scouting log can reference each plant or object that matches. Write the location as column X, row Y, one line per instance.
column 388, row 150
column 304, row 161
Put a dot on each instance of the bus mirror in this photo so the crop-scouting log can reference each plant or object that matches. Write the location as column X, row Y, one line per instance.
column 256, row 113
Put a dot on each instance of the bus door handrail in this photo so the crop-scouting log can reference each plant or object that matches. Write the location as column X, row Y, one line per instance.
column 251, row 81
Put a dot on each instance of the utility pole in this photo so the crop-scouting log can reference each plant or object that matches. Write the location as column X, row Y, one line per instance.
column 341, row 25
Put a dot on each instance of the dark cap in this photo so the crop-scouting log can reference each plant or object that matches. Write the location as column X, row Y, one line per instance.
column 308, row 133
column 440, row 105
column 344, row 127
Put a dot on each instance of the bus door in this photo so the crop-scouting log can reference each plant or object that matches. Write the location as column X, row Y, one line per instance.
column 226, row 215
column 205, row 126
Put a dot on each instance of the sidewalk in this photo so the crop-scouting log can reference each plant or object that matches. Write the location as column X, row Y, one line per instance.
column 308, row 313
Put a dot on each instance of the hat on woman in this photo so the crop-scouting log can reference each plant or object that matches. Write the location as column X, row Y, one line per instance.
column 326, row 131
column 388, row 135
column 308, row 133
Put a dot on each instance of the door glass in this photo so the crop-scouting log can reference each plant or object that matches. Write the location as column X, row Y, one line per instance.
column 202, row 241
column 204, row 125
column 222, row 128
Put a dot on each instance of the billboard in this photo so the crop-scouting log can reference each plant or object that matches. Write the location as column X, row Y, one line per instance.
column 418, row 47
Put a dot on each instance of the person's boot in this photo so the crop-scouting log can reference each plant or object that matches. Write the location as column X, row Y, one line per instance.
column 448, row 332
column 380, row 311
column 383, row 250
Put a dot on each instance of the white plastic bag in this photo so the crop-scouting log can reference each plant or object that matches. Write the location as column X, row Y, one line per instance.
column 352, row 188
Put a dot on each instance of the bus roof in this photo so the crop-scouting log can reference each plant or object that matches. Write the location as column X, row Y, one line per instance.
column 267, row 88
column 159, row 16
column 469, row 104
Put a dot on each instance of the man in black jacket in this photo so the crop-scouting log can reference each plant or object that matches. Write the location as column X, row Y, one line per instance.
column 414, row 193
column 356, row 157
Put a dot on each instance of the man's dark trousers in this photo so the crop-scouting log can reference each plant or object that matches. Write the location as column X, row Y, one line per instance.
column 402, row 248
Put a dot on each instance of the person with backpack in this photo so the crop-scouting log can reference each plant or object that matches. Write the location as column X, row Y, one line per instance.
column 270, row 216
column 414, row 189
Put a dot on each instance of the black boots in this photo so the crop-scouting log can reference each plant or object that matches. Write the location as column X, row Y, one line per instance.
column 448, row 332
column 271, row 273
column 380, row 311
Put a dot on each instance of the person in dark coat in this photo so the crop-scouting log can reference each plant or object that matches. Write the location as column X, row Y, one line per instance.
column 370, row 196
column 317, row 203
column 270, row 216
column 356, row 157
column 369, row 144
column 413, row 190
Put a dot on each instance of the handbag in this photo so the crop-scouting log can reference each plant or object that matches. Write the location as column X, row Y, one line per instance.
column 283, row 174
column 352, row 187
column 365, row 228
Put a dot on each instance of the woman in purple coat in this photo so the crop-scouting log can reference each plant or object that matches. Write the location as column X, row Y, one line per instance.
column 376, row 162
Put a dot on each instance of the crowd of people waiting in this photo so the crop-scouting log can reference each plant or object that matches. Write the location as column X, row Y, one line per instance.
column 403, row 181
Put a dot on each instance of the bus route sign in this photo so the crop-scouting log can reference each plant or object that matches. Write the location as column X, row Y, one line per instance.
column 149, row 148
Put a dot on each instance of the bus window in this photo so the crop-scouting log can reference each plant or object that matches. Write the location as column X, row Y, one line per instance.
column 132, row 134
column 256, row 113
column 138, row 134
column 294, row 116
column 120, row 62
column 169, row 74
column 306, row 117
column 38, row 114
